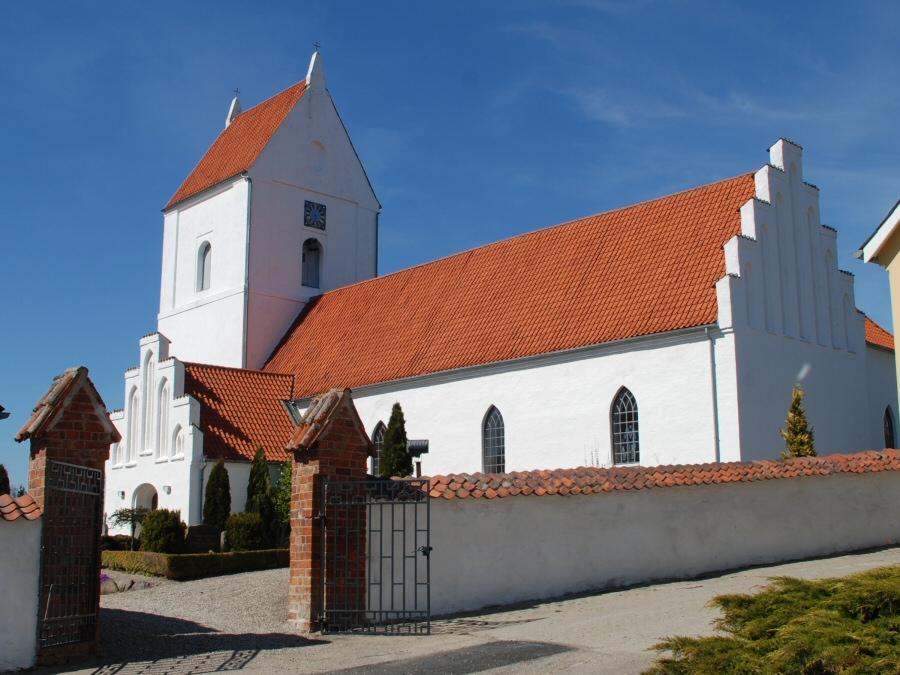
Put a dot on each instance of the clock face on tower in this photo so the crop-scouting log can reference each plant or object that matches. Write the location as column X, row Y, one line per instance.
column 314, row 215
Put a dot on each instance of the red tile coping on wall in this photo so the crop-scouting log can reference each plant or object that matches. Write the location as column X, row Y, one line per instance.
column 588, row 480
column 241, row 410
column 13, row 508
column 640, row 270
column 878, row 336
column 238, row 146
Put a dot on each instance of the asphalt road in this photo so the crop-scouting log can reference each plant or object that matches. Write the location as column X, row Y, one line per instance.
column 608, row 632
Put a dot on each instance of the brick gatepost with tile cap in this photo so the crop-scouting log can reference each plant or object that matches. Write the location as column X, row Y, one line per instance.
column 69, row 431
column 329, row 444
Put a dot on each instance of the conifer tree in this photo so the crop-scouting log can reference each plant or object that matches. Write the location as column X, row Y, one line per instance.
column 4, row 481
column 217, row 500
column 798, row 436
column 259, row 482
column 283, row 505
column 395, row 457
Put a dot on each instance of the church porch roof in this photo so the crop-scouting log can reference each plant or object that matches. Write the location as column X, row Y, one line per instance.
column 878, row 336
column 241, row 410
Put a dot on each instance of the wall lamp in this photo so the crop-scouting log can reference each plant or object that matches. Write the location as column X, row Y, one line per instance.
column 121, row 494
column 167, row 489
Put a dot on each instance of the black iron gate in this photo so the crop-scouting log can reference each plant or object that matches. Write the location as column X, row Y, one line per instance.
column 376, row 546
column 70, row 582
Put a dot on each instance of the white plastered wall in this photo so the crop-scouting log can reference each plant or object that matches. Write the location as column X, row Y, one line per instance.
column 309, row 158
column 794, row 318
column 155, row 461
column 20, row 541
column 480, row 556
column 556, row 409
column 206, row 325
column 881, row 378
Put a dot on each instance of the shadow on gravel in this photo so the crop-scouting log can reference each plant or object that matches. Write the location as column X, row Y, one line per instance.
column 128, row 640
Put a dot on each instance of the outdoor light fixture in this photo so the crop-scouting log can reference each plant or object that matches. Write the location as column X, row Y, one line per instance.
column 121, row 494
column 167, row 489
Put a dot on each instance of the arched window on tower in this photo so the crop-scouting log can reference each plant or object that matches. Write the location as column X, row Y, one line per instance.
column 312, row 263
column 204, row 266
column 378, row 442
column 889, row 441
column 625, row 441
column 493, row 442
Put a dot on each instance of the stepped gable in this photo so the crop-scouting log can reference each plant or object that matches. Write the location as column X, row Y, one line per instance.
column 241, row 410
column 588, row 480
column 878, row 336
column 644, row 269
column 13, row 508
column 238, row 146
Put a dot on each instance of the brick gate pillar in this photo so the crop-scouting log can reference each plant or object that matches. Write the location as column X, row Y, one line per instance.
column 70, row 433
column 329, row 444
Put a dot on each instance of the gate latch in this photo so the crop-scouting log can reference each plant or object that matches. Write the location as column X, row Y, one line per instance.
column 320, row 516
column 425, row 550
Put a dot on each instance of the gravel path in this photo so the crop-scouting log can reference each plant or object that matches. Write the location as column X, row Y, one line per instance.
column 239, row 622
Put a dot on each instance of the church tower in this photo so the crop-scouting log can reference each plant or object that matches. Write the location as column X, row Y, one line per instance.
column 278, row 210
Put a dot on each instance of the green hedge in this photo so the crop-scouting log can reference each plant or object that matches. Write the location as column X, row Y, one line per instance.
column 194, row 565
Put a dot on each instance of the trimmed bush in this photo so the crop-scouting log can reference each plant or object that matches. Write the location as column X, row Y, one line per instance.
column 245, row 532
column 395, row 457
column 118, row 542
column 163, row 532
column 194, row 566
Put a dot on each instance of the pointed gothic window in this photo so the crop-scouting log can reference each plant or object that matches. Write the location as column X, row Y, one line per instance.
column 311, row 263
column 494, row 442
column 626, row 448
column 204, row 266
column 889, row 441
column 378, row 442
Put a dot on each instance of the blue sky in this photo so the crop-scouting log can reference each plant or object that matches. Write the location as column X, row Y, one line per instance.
column 475, row 121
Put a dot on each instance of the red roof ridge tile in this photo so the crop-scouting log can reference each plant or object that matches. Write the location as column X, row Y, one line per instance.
column 13, row 508
column 876, row 335
column 590, row 480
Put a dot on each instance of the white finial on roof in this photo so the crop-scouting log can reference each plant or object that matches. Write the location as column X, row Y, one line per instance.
column 235, row 109
column 315, row 76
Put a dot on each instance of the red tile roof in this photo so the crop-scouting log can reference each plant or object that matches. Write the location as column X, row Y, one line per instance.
column 19, row 507
column 241, row 410
column 239, row 145
column 878, row 336
column 640, row 270
column 588, row 480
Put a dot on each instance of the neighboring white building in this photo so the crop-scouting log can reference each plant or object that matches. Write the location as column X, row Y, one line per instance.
column 670, row 331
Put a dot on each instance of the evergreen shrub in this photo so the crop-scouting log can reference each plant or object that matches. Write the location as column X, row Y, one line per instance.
column 4, row 481
column 163, row 532
column 798, row 435
column 217, row 498
column 395, row 457
column 245, row 532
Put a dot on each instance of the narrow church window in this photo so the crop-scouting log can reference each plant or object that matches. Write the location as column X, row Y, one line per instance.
column 494, row 442
column 134, row 426
column 889, row 441
column 204, row 266
column 162, row 432
column 626, row 445
column 178, row 441
column 378, row 442
column 311, row 263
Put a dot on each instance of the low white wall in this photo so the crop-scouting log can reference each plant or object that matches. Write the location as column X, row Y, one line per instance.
column 20, row 542
column 500, row 551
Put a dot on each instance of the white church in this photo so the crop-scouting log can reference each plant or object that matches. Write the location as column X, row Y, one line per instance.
column 667, row 332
